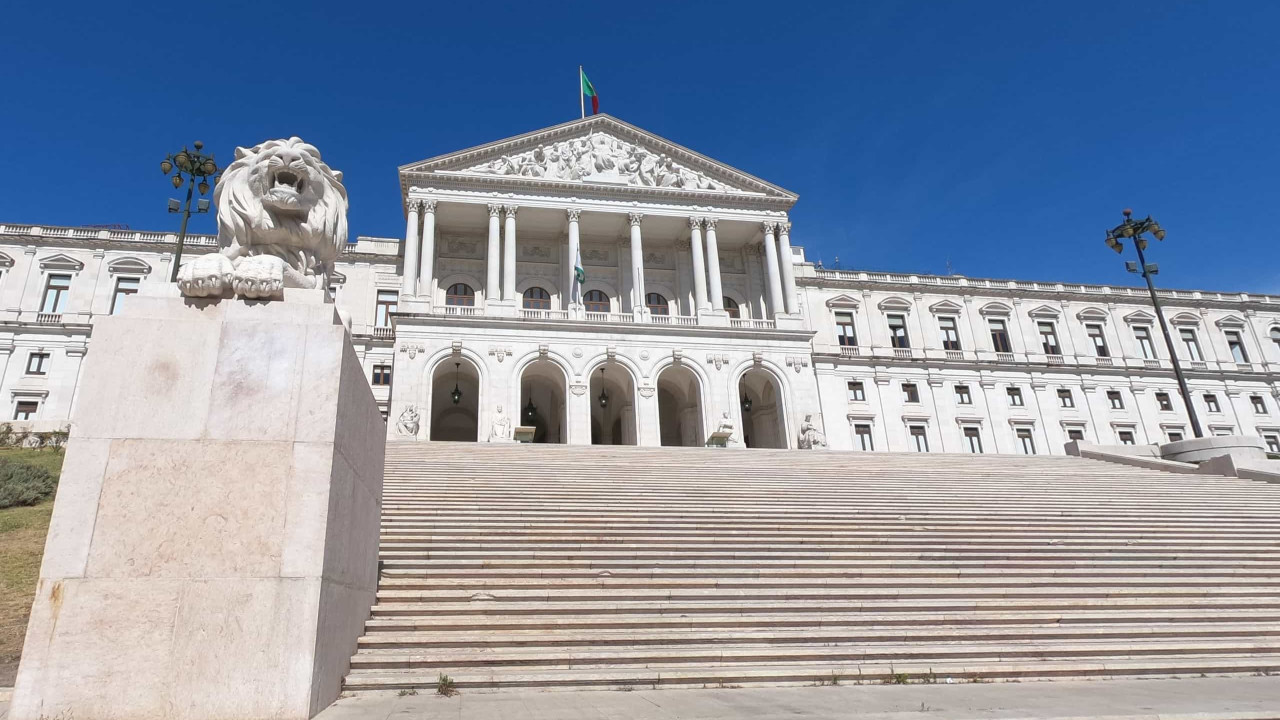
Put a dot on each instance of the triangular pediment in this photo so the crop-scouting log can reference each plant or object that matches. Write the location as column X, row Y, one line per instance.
column 945, row 307
column 1231, row 321
column 595, row 152
column 843, row 302
column 60, row 262
column 5, row 260
column 1045, row 312
column 1139, row 317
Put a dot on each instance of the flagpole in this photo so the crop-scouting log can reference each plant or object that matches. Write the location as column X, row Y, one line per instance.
column 582, row 102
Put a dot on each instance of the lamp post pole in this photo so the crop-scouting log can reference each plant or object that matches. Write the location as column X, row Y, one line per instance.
column 182, row 231
column 188, row 165
column 1134, row 229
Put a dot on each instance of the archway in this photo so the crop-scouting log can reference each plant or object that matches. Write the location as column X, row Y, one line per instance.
column 680, row 420
column 613, row 405
column 455, row 400
column 763, row 422
column 542, row 401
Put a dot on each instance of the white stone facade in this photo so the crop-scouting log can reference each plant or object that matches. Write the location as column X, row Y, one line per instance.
column 751, row 335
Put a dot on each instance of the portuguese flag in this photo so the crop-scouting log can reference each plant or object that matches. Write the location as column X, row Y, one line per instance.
column 590, row 91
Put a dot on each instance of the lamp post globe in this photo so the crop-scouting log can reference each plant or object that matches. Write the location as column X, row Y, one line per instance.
column 195, row 167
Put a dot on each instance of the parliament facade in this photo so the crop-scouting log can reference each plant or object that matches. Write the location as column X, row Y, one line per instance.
column 594, row 283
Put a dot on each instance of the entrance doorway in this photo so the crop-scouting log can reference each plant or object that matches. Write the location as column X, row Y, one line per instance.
column 542, row 401
column 763, row 422
column 455, row 401
column 613, row 407
column 680, row 421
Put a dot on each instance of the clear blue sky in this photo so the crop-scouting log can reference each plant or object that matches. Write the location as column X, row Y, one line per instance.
column 1004, row 137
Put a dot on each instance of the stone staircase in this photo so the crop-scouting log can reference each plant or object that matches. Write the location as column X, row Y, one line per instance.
column 615, row 567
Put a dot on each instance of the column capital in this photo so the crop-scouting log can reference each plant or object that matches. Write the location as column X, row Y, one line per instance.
column 428, row 205
column 710, row 222
column 635, row 218
column 784, row 228
column 494, row 210
column 510, row 210
column 695, row 222
column 769, row 227
column 573, row 214
column 413, row 204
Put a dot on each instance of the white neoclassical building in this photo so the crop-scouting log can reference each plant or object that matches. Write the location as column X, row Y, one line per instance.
column 693, row 314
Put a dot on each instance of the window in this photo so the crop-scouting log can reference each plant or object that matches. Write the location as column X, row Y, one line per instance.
column 999, row 336
column 38, row 363
column 962, row 395
column 973, row 439
column 1027, row 442
column 1275, row 336
column 386, row 305
column 1099, row 340
column 1143, row 335
column 910, row 393
column 1065, row 399
column 1116, row 399
column 1162, row 400
column 1126, row 437
column 1273, row 442
column 1259, row 404
column 596, row 301
column 1236, row 344
column 1075, row 434
column 1191, row 344
column 657, row 304
column 536, row 298
column 1211, row 402
column 124, row 286
column 26, row 410
column 55, row 293
column 459, row 295
column 381, row 374
column 1222, row 431
column 898, row 331
column 950, row 333
column 863, row 434
column 731, row 307
column 1015, row 396
column 857, row 392
column 1174, row 435
column 844, row 329
column 1049, row 338
column 919, row 439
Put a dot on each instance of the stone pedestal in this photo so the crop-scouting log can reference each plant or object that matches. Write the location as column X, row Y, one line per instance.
column 213, row 548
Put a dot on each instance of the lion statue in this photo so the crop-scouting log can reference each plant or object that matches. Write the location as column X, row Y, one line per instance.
column 282, row 220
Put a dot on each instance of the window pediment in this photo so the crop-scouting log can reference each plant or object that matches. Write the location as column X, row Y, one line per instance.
column 843, row 302
column 1230, row 321
column 1092, row 314
column 1046, row 312
column 5, row 261
column 1185, row 318
column 945, row 307
column 337, row 278
column 1139, row 317
column 895, row 304
column 996, row 308
column 60, row 262
column 128, row 266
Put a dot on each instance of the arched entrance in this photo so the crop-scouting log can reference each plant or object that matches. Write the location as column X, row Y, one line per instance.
column 613, row 405
column 542, row 401
column 680, row 420
column 455, row 400
column 763, row 422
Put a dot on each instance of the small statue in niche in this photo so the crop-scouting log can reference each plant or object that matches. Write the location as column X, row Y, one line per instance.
column 408, row 422
column 501, row 429
column 811, row 438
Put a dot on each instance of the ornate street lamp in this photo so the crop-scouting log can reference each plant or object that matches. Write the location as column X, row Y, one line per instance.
column 196, row 167
column 1133, row 230
column 604, row 396
column 746, row 403
column 529, row 409
column 457, row 391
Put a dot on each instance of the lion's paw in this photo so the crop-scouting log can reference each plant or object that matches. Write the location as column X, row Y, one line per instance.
column 205, row 276
column 259, row 277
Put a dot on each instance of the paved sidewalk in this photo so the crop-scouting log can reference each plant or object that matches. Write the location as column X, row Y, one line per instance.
column 1229, row 698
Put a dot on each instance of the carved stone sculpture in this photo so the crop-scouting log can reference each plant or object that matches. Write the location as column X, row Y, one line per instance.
column 282, row 220
column 408, row 422
column 726, row 424
column 501, row 429
column 811, row 438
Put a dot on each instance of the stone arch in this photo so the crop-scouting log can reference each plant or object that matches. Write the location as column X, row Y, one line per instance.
column 442, row 288
column 682, row 403
column 784, row 424
column 444, row 359
column 740, row 297
column 617, row 423
column 674, row 302
column 547, row 284
column 542, row 384
column 615, row 301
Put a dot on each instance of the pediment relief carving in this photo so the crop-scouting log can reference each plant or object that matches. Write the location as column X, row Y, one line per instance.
column 459, row 247
column 530, row 252
column 597, row 255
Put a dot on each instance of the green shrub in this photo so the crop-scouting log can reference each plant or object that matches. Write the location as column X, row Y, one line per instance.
column 22, row 484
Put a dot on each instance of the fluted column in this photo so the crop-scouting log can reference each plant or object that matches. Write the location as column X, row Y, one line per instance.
column 426, row 263
column 409, row 278
column 637, row 262
column 571, row 292
column 713, row 267
column 788, row 268
column 491, row 289
column 509, row 253
column 699, row 272
column 771, row 268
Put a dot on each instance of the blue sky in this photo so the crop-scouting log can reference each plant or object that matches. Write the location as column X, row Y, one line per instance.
column 1000, row 137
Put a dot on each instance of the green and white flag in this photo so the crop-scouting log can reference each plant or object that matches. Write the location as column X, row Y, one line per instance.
column 579, row 276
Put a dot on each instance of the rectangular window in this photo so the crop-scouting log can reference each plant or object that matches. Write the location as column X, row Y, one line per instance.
column 950, row 333
column 1065, row 398
column 898, row 331
column 26, row 410
column 1273, row 442
column 381, row 374
column 962, row 395
column 910, row 393
column 1174, row 435
column 1191, row 344
column 845, row 333
column 919, row 439
column 1259, row 404
column 387, row 300
column 1075, row 434
column 999, row 336
column 124, row 286
column 55, row 293
column 1027, row 442
column 973, row 439
column 857, row 392
column 1145, row 346
column 1223, row 431
column 863, row 433
column 38, row 363
column 1116, row 399
column 1126, row 437
column 1236, row 344
column 1211, row 402
column 1015, row 396
column 1049, row 338
column 1099, row 340
column 1162, row 400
